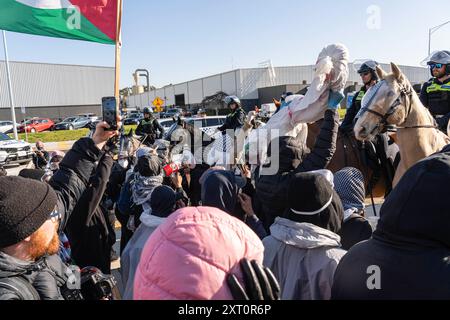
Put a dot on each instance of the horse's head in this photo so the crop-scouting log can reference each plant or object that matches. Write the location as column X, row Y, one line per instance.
column 128, row 147
column 388, row 103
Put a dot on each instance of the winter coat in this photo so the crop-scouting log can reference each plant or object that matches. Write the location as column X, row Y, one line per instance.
column 303, row 257
column 190, row 255
column 408, row 255
column 47, row 275
column 131, row 256
column 90, row 234
column 271, row 190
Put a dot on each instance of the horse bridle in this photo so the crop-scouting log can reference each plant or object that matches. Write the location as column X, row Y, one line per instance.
column 404, row 94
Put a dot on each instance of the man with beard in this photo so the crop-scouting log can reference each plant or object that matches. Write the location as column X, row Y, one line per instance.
column 32, row 213
column 435, row 94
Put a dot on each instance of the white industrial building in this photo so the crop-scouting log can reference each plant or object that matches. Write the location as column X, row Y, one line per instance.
column 54, row 90
column 247, row 85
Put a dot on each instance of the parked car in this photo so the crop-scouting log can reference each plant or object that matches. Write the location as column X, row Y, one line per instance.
column 6, row 126
column 91, row 116
column 13, row 151
column 174, row 112
column 73, row 123
column 133, row 119
column 206, row 124
column 36, row 125
column 166, row 123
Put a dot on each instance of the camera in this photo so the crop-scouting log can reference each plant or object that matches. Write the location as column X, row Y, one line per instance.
column 94, row 286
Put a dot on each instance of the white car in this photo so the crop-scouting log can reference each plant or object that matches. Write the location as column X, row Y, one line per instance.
column 166, row 123
column 13, row 151
column 206, row 124
column 6, row 126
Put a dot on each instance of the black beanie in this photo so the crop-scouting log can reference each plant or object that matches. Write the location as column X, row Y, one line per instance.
column 149, row 166
column 25, row 205
column 309, row 193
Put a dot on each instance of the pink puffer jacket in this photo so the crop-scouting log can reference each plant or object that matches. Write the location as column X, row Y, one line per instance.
column 189, row 256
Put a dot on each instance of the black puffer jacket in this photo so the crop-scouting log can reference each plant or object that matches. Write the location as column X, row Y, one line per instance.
column 47, row 275
column 271, row 190
column 409, row 253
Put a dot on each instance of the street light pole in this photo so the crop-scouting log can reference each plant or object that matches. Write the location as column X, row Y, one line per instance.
column 430, row 33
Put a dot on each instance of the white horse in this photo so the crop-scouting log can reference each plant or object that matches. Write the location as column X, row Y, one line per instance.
column 393, row 102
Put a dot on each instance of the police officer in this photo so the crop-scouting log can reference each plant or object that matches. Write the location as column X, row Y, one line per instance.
column 369, row 77
column 236, row 118
column 149, row 127
column 435, row 94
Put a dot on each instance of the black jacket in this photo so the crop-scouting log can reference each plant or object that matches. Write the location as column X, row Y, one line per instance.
column 150, row 127
column 354, row 230
column 437, row 101
column 411, row 245
column 234, row 120
column 90, row 234
column 348, row 122
column 46, row 277
column 40, row 160
column 48, row 274
column 271, row 191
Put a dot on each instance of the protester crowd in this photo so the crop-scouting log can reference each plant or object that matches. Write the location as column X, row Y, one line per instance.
column 214, row 233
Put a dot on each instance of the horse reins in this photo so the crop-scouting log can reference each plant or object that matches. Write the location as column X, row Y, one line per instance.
column 404, row 94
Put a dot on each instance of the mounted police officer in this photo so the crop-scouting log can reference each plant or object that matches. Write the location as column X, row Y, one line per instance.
column 236, row 118
column 435, row 94
column 382, row 153
column 149, row 128
column 369, row 77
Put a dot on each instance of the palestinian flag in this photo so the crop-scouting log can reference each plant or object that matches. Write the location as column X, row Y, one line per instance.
column 89, row 20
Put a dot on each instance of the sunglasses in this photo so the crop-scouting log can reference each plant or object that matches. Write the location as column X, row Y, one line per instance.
column 364, row 74
column 55, row 216
column 436, row 65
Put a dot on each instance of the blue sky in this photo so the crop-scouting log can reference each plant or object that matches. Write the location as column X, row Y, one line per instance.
column 179, row 40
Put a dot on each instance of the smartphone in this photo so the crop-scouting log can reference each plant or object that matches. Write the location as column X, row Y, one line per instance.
column 109, row 108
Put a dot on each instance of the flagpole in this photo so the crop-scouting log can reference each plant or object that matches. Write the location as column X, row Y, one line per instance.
column 11, row 96
column 118, row 47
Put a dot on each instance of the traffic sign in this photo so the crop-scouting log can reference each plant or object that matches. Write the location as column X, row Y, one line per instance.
column 158, row 102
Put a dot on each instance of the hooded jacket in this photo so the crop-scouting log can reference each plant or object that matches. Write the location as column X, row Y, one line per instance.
column 163, row 202
column 349, row 184
column 220, row 191
column 303, row 257
column 271, row 190
column 190, row 255
column 408, row 257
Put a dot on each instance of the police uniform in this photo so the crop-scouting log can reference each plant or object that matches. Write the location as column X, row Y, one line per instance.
column 435, row 95
column 347, row 124
column 149, row 127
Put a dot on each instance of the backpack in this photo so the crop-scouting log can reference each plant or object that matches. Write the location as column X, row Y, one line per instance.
column 19, row 286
